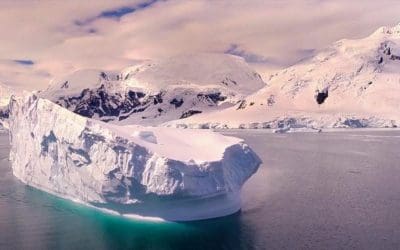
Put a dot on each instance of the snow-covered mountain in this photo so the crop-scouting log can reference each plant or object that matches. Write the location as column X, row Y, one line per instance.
column 353, row 83
column 131, row 170
column 5, row 94
column 157, row 91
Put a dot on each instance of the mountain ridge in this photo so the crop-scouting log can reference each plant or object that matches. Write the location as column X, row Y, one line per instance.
column 159, row 91
column 352, row 83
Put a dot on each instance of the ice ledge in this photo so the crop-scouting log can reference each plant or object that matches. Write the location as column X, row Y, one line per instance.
column 126, row 171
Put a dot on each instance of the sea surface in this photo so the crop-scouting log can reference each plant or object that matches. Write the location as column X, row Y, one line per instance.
column 336, row 190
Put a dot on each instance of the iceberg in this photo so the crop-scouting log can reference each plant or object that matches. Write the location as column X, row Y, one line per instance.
column 144, row 172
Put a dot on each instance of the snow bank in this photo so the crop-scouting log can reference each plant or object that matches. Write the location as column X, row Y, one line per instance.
column 148, row 172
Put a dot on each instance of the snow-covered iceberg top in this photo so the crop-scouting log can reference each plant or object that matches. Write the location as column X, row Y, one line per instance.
column 145, row 171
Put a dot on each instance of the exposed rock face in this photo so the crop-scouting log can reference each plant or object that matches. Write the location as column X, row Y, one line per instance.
column 101, row 104
column 127, row 169
column 4, row 113
column 107, row 106
column 321, row 96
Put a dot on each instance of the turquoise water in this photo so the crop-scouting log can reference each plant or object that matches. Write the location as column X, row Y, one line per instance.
column 314, row 191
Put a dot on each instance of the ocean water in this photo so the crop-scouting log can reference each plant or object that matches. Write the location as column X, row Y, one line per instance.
column 338, row 190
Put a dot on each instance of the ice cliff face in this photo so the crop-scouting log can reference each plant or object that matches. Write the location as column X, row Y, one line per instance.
column 157, row 91
column 152, row 172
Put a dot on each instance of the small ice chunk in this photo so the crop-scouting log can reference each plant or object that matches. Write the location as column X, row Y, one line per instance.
column 282, row 130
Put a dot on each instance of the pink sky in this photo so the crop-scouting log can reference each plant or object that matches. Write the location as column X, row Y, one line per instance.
column 44, row 39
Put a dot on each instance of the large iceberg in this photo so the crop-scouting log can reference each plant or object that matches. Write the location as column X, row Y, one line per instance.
column 153, row 172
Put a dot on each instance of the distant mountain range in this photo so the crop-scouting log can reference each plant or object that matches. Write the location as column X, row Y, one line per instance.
column 352, row 83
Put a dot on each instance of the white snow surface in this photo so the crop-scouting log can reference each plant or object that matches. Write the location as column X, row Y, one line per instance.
column 204, row 69
column 361, row 77
column 138, row 171
column 73, row 84
column 208, row 146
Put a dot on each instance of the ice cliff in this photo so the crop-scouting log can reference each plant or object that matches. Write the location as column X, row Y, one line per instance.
column 160, row 172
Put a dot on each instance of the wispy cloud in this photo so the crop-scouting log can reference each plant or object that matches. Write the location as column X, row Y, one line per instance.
column 122, row 11
column 117, row 13
column 24, row 62
column 249, row 57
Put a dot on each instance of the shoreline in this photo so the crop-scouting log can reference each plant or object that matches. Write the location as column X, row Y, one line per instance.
column 293, row 130
column 308, row 130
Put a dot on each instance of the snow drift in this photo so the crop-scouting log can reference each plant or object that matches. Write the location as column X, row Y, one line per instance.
column 149, row 172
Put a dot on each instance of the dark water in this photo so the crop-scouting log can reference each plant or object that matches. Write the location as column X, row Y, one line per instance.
column 314, row 191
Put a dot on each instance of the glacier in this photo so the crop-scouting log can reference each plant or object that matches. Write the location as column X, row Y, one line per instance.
column 147, row 172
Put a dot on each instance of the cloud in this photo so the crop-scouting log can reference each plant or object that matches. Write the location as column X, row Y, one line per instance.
column 122, row 11
column 62, row 36
column 249, row 57
column 116, row 13
column 24, row 62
